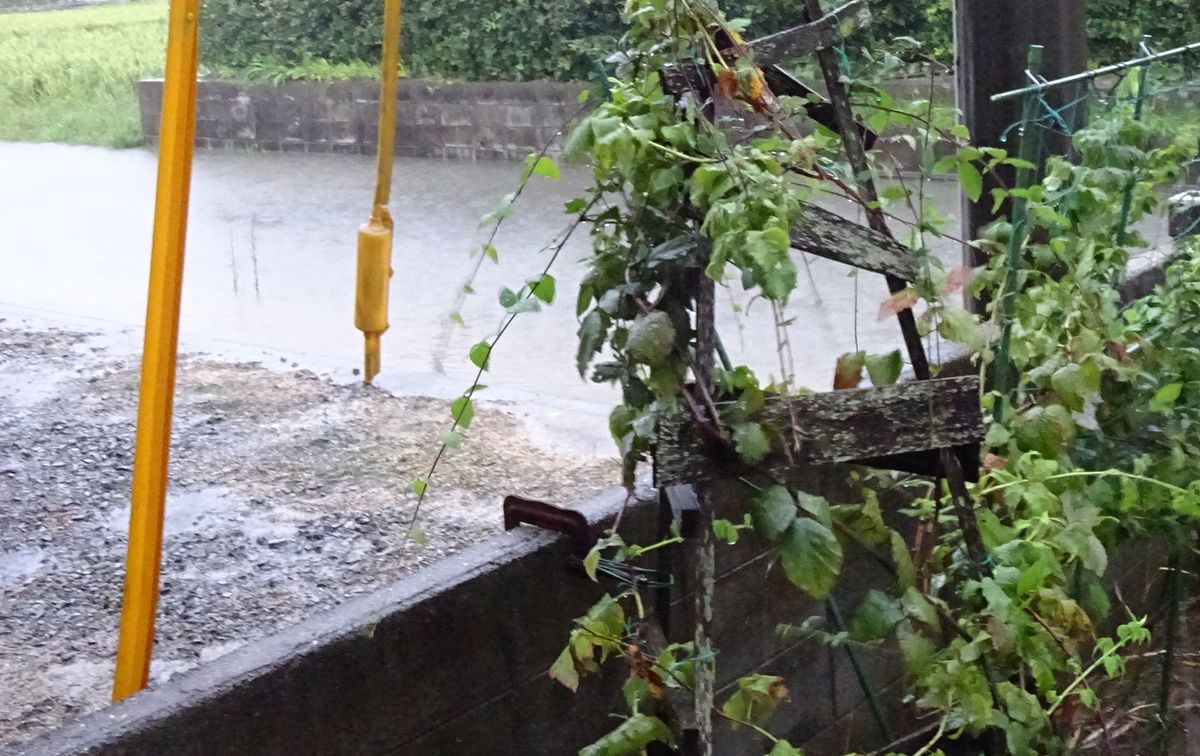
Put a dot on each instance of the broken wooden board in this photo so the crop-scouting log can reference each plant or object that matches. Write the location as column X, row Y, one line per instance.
column 789, row 44
column 840, row 427
column 833, row 237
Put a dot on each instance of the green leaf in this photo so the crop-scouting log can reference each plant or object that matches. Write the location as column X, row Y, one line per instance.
column 772, row 511
column 419, row 486
column 651, row 338
column 817, row 507
column 508, row 297
column 1165, row 397
column 884, row 369
column 756, row 699
column 784, row 748
column 543, row 288
column 726, row 531
column 462, row 410
column 971, row 180
column 906, row 572
column 811, row 557
column 875, row 618
column 575, row 206
column 418, row 537
column 591, row 562
column 591, row 339
column 490, row 252
column 630, row 738
column 479, row 354
column 564, row 670
column 543, row 166
column 452, row 439
column 751, row 442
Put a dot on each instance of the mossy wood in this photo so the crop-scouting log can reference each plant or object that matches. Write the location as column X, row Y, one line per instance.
column 871, row 426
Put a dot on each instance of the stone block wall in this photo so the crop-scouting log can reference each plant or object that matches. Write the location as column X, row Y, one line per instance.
column 466, row 120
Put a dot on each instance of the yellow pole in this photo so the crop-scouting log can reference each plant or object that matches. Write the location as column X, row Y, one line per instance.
column 156, row 399
column 375, row 236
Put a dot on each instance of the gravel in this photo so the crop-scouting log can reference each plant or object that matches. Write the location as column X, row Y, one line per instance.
column 289, row 494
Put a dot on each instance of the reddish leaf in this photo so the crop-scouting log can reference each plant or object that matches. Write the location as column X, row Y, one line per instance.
column 1116, row 350
column 727, row 82
column 994, row 461
column 848, row 373
column 898, row 303
column 957, row 279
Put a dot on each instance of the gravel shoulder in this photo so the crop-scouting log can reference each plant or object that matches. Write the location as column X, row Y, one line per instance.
column 289, row 494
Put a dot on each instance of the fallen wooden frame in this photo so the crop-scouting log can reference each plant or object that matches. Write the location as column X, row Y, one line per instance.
column 893, row 427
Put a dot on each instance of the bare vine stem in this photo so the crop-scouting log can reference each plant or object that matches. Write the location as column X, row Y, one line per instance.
column 470, row 392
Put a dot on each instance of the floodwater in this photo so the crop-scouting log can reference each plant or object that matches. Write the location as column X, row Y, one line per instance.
column 270, row 271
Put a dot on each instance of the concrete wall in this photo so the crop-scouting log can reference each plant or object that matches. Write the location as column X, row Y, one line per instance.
column 491, row 120
column 453, row 661
column 467, row 120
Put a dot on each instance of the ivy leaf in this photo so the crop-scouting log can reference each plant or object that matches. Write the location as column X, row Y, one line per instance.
column 452, row 439
column 847, row 374
column 462, row 410
column 490, row 252
column 772, row 511
column 543, row 288
column 784, row 748
column 811, row 557
column 631, row 737
column 479, row 354
column 507, row 297
column 971, row 180
column 884, row 369
column 651, row 338
column 751, row 442
column 419, row 486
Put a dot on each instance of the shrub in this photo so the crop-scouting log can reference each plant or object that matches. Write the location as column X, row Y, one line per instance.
column 569, row 39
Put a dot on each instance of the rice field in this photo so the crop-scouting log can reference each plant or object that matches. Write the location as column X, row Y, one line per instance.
column 70, row 75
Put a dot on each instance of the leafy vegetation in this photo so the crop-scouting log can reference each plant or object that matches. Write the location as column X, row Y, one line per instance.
column 1092, row 449
column 570, row 39
column 71, row 75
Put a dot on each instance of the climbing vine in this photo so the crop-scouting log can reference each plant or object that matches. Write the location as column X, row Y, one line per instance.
column 1095, row 446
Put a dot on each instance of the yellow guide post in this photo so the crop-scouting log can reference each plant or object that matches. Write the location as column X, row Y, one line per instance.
column 375, row 236
column 156, row 398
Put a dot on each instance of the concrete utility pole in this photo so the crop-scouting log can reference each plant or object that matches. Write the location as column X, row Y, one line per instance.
column 992, row 38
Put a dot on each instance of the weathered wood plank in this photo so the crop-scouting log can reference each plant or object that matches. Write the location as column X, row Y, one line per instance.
column 833, row 237
column 784, row 46
column 842, row 426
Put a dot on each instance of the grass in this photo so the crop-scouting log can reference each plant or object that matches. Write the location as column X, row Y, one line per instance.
column 71, row 75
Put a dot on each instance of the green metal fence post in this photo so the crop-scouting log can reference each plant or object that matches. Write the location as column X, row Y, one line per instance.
column 1138, row 100
column 1004, row 378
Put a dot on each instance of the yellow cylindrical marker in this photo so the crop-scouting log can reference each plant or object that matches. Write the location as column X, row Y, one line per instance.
column 157, row 391
column 371, row 302
column 375, row 236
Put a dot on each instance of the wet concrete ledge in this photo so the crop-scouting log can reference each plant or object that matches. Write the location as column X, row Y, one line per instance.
column 453, row 660
column 492, row 120
column 473, row 120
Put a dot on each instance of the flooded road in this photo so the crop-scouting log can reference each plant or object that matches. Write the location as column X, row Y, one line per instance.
column 270, row 268
column 270, row 271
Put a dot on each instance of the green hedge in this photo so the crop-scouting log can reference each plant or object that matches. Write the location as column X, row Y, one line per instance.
column 565, row 39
